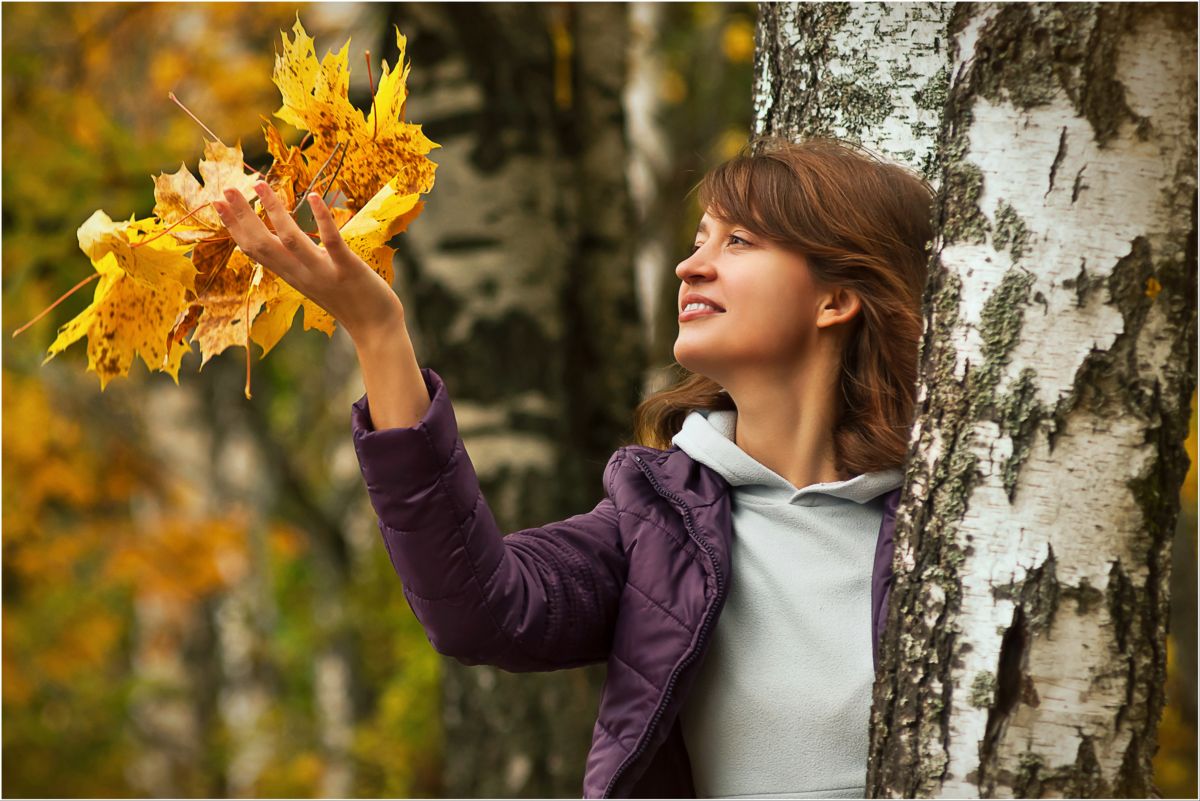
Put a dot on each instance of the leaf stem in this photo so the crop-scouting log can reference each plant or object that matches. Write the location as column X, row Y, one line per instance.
column 246, row 323
column 46, row 311
column 186, row 111
column 316, row 177
column 172, row 225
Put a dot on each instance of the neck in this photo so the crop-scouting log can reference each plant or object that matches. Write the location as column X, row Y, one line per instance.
column 785, row 421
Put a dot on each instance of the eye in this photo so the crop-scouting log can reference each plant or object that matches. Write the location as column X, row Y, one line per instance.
column 737, row 240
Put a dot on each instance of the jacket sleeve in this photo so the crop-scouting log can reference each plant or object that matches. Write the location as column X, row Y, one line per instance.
column 543, row 598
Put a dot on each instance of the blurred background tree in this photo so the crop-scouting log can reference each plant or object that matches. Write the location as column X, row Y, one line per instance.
column 195, row 600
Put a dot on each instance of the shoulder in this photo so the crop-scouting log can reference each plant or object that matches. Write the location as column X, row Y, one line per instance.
column 623, row 469
column 624, row 460
column 633, row 469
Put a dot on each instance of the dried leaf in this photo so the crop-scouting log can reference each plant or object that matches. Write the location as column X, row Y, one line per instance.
column 178, row 194
column 156, row 263
column 315, row 99
column 126, row 317
column 179, row 273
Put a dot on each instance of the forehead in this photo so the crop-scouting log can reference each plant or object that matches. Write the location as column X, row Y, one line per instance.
column 707, row 222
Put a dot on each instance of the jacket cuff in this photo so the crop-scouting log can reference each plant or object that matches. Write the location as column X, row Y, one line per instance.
column 395, row 462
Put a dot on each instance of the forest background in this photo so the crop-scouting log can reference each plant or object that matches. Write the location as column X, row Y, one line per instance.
column 170, row 623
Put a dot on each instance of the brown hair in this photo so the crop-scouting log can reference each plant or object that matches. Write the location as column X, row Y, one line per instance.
column 860, row 223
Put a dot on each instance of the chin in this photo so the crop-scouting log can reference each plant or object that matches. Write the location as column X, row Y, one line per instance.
column 689, row 359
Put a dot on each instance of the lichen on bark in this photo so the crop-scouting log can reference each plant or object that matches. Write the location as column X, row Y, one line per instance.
column 1010, row 232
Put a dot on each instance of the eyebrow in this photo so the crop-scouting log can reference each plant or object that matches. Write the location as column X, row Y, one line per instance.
column 702, row 228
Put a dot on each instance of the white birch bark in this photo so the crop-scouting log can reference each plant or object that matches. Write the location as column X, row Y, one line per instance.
column 1033, row 546
column 204, row 448
column 647, row 167
column 1025, row 651
column 872, row 73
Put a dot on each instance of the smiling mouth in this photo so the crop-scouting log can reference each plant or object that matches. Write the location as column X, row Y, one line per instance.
column 694, row 311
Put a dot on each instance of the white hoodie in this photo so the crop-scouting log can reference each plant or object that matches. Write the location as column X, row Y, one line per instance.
column 781, row 703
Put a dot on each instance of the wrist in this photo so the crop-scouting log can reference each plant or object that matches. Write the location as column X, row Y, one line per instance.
column 381, row 332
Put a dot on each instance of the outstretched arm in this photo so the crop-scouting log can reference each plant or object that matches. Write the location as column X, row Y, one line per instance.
column 540, row 599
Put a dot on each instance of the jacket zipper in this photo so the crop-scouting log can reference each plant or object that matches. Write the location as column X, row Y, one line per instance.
column 704, row 626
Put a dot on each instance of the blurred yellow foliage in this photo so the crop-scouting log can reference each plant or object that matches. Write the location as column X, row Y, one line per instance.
column 94, row 539
column 673, row 88
column 737, row 40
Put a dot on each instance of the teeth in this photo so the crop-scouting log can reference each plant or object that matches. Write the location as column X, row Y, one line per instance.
column 694, row 306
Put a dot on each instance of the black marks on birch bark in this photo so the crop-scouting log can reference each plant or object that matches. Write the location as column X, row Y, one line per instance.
column 1058, row 157
column 1030, row 54
column 1036, row 600
column 791, row 52
column 915, row 745
column 1082, row 283
column 1020, row 416
column 1079, row 185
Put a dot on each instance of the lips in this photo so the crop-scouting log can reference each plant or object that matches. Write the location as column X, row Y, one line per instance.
column 708, row 309
column 697, row 313
column 694, row 297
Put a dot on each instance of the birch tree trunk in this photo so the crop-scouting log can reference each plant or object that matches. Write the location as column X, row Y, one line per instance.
column 1025, row 647
column 1033, row 551
column 649, row 167
column 518, row 287
column 872, row 73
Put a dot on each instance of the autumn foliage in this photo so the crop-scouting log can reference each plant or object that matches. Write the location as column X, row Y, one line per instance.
column 177, row 276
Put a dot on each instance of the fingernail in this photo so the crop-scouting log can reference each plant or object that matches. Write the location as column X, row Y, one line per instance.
column 229, row 194
column 260, row 187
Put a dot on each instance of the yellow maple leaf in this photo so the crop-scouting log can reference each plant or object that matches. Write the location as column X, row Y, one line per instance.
column 155, row 261
column 125, row 318
column 270, row 326
column 178, row 194
column 179, row 273
column 380, row 148
column 290, row 174
column 384, row 216
column 224, row 300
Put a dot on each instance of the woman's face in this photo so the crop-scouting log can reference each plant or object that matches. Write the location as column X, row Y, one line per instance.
column 768, row 300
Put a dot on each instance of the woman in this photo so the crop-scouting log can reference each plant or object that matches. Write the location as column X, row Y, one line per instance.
column 762, row 493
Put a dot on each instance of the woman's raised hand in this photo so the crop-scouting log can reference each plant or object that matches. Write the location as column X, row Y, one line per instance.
column 332, row 276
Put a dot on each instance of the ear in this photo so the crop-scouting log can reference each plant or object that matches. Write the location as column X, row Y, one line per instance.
column 839, row 306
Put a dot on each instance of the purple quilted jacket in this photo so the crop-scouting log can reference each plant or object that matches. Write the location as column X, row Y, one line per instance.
column 638, row 582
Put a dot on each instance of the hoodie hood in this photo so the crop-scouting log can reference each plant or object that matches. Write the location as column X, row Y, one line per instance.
column 708, row 437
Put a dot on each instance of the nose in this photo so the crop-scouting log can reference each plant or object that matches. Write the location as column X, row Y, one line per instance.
column 696, row 267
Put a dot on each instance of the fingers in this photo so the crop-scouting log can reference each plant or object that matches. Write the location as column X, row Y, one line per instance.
column 250, row 234
column 331, row 237
column 289, row 233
